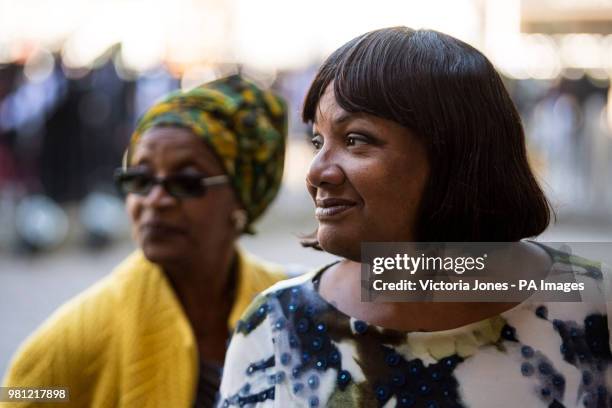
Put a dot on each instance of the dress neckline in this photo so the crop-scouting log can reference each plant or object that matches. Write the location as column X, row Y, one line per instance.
column 315, row 281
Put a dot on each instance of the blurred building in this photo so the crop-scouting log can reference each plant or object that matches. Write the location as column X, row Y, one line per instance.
column 75, row 76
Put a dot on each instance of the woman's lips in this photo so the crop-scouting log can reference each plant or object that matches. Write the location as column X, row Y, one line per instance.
column 159, row 230
column 330, row 208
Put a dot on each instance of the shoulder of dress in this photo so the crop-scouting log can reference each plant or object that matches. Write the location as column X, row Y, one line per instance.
column 564, row 259
column 290, row 283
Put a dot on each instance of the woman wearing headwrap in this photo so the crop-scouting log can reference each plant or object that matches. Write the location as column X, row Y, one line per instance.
column 201, row 167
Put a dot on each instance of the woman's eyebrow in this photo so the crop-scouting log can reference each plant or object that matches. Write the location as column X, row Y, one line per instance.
column 342, row 117
column 338, row 119
column 140, row 161
column 199, row 164
column 187, row 162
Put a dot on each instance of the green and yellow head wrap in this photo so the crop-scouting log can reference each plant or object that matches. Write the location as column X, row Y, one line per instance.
column 245, row 126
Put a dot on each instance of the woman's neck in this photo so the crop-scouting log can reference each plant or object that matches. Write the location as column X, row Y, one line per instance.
column 341, row 286
column 205, row 288
column 203, row 280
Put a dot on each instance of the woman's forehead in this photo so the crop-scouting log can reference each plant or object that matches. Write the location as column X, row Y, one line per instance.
column 174, row 145
column 159, row 137
column 328, row 109
column 330, row 113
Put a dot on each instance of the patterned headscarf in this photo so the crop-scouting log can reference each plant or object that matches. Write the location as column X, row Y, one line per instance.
column 245, row 126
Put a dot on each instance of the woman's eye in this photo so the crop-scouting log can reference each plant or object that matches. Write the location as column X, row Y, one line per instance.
column 356, row 140
column 317, row 141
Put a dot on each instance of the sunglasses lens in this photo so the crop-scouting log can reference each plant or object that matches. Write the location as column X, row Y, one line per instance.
column 185, row 186
column 179, row 186
column 134, row 183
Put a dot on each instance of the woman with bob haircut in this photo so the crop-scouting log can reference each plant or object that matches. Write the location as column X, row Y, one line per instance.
column 417, row 140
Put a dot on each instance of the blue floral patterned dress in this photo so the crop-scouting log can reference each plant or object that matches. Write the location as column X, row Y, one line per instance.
column 294, row 349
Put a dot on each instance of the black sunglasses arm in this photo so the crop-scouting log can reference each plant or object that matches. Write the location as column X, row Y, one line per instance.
column 215, row 180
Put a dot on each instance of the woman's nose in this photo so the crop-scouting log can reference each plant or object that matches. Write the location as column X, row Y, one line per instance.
column 159, row 197
column 325, row 170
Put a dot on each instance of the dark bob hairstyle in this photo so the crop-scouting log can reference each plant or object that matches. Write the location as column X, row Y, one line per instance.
column 480, row 186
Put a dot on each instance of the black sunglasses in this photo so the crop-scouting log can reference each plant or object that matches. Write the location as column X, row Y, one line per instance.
column 178, row 185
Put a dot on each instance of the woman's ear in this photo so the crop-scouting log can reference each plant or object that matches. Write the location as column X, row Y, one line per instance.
column 239, row 219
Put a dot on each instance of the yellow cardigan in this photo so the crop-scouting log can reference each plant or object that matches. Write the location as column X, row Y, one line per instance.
column 125, row 342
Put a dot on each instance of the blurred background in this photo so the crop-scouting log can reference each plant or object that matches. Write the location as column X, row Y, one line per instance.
column 76, row 74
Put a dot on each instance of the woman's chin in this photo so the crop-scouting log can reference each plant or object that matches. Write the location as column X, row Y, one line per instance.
column 338, row 243
column 162, row 255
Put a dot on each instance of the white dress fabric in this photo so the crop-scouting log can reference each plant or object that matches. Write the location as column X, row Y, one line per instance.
column 294, row 349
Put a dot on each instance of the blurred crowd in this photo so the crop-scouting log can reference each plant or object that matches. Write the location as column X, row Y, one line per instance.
column 568, row 124
column 63, row 131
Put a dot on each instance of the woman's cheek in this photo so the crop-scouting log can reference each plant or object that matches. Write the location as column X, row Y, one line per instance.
column 133, row 208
